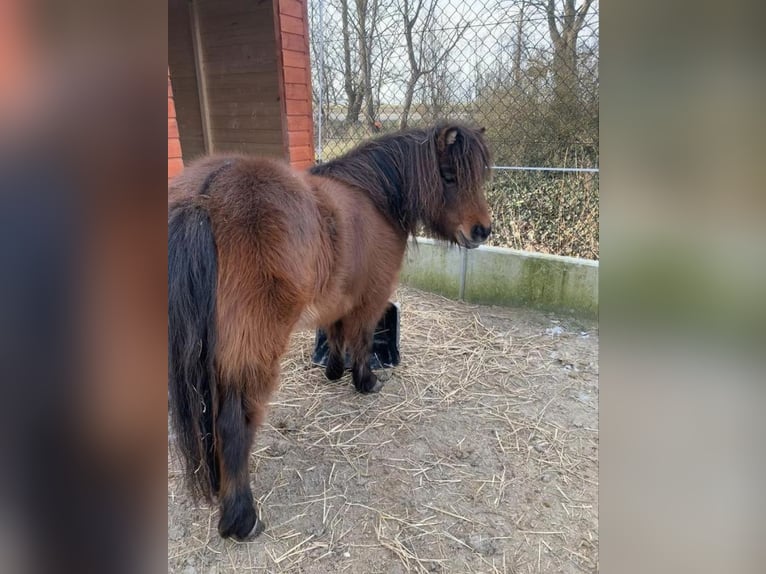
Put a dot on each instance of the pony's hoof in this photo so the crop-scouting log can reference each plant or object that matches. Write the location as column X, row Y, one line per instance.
column 242, row 528
column 369, row 384
column 335, row 368
column 258, row 527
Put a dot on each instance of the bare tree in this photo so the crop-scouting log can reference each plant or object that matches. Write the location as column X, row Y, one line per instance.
column 564, row 29
column 415, row 34
column 363, row 65
column 382, row 68
column 367, row 24
column 519, row 47
column 326, row 63
column 440, row 81
column 351, row 81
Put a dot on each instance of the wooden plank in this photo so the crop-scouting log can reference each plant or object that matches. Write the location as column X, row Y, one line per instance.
column 251, row 148
column 184, row 82
column 180, row 50
column 291, row 24
column 185, row 97
column 233, row 64
column 263, row 137
column 302, row 164
column 174, row 148
column 301, row 154
column 298, row 123
column 252, row 58
column 172, row 128
column 185, row 86
column 307, row 51
column 250, row 35
column 242, row 75
column 279, row 47
column 242, row 101
column 259, row 121
column 243, row 40
column 299, row 139
column 298, row 107
column 235, row 124
column 197, row 52
column 240, row 36
column 171, row 108
column 291, row 8
column 253, row 82
column 229, row 9
column 297, row 92
column 245, row 108
column 183, row 73
column 238, row 23
column 175, row 166
column 181, row 65
column 295, row 76
column 293, row 42
column 293, row 59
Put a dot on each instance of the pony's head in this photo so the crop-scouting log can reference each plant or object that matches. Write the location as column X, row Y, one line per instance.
column 432, row 177
column 461, row 214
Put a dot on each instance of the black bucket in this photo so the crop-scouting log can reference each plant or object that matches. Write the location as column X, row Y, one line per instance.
column 385, row 343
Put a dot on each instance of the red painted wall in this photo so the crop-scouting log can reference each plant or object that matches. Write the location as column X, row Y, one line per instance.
column 175, row 161
column 296, row 77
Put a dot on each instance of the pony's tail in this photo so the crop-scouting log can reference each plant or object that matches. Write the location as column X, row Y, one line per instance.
column 192, row 273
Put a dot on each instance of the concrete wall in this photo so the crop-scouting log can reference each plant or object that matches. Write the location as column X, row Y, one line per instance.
column 498, row 276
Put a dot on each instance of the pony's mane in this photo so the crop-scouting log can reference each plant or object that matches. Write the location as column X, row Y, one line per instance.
column 401, row 171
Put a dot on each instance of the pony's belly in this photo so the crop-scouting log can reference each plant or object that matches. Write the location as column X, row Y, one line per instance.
column 309, row 319
column 316, row 315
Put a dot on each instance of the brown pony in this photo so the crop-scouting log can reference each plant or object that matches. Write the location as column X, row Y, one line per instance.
column 257, row 250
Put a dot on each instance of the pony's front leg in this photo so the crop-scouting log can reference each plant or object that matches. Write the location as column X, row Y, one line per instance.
column 239, row 519
column 360, row 346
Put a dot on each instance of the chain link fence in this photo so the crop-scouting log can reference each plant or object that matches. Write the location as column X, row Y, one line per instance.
column 525, row 70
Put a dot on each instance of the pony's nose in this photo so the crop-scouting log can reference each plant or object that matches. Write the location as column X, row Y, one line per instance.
column 480, row 233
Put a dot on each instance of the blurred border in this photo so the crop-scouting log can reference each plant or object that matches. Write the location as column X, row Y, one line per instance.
column 683, row 272
column 82, row 301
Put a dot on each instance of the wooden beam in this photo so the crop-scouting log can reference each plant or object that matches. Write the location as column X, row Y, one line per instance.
column 201, row 79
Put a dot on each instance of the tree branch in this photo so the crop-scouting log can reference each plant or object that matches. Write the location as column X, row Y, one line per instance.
column 446, row 52
column 581, row 13
column 551, row 12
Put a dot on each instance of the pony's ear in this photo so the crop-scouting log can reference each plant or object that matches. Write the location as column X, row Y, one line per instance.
column 447, row 137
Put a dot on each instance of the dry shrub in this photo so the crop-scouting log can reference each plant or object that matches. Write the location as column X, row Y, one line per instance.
column 545, row 212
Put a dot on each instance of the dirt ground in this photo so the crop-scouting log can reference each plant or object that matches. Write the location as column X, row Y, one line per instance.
column 480, row 454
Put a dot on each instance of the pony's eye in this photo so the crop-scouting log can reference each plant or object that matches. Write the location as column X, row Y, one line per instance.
column 449, row 178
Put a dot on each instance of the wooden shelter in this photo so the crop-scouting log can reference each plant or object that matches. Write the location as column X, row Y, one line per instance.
column 239, row 79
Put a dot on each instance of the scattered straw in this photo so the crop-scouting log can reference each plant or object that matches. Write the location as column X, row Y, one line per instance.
column 468, row 460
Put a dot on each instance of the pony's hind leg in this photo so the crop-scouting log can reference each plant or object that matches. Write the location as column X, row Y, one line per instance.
column 336, row 362
column 239, row 518
column 242, row 409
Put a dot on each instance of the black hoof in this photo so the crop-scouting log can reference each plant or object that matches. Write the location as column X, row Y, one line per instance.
column 258, row 527
column 368, row 384
column 335, row 367
column 241, row 524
